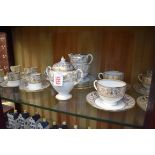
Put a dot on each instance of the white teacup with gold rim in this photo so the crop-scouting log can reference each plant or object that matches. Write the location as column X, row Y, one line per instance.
column 13, row 79
column 34, row 81
column 114, row 75
column 109, row 90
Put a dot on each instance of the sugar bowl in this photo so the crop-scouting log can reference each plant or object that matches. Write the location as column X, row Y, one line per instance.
column 63, row 77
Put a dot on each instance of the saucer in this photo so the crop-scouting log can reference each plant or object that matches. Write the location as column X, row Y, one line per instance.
column 126, row 103
column 141, row 89
column 142, row 102
column 119, row 105
column 86, row 82
column 5, row 84
column 45, row 84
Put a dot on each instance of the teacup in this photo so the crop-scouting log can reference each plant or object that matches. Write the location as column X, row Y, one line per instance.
column 30, row 70
column 13, row 78
column 114, row 75
column 145, row 79
column 80, row 58
column 1, row 75
column 15, row 68
column 34, row 81
column 109, row 90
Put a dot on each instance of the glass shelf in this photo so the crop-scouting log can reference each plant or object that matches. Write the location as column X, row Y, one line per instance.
column 77, row 106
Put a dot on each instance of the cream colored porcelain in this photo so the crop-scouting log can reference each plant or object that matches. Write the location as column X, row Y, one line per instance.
column 70, row 78
column 110, row 91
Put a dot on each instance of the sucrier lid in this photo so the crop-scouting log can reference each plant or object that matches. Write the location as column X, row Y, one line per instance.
column 63, row 66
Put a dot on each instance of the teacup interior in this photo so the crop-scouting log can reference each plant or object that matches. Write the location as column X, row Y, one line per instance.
column 111, row 83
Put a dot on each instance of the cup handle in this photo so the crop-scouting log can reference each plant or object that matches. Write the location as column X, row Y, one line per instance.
column 101, row 76
column 81, row 76
column 95, row 84
column 140, row 76
column 47, row 71
column 91, row 58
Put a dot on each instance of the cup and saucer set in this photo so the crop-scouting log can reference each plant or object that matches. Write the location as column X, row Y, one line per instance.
column 28, row 80
column 110, row 93
column 143, row 86
column 12, row 79
column 83, row 62
column 32, row 81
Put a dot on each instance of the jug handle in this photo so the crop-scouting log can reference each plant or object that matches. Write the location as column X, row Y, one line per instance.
column 81, row 76
column 95, row 84
column 91, row 58
column 47, row 70
column 101, row 76
column 140, row 76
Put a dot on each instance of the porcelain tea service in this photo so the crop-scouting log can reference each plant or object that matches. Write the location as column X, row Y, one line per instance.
column 63, row 77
